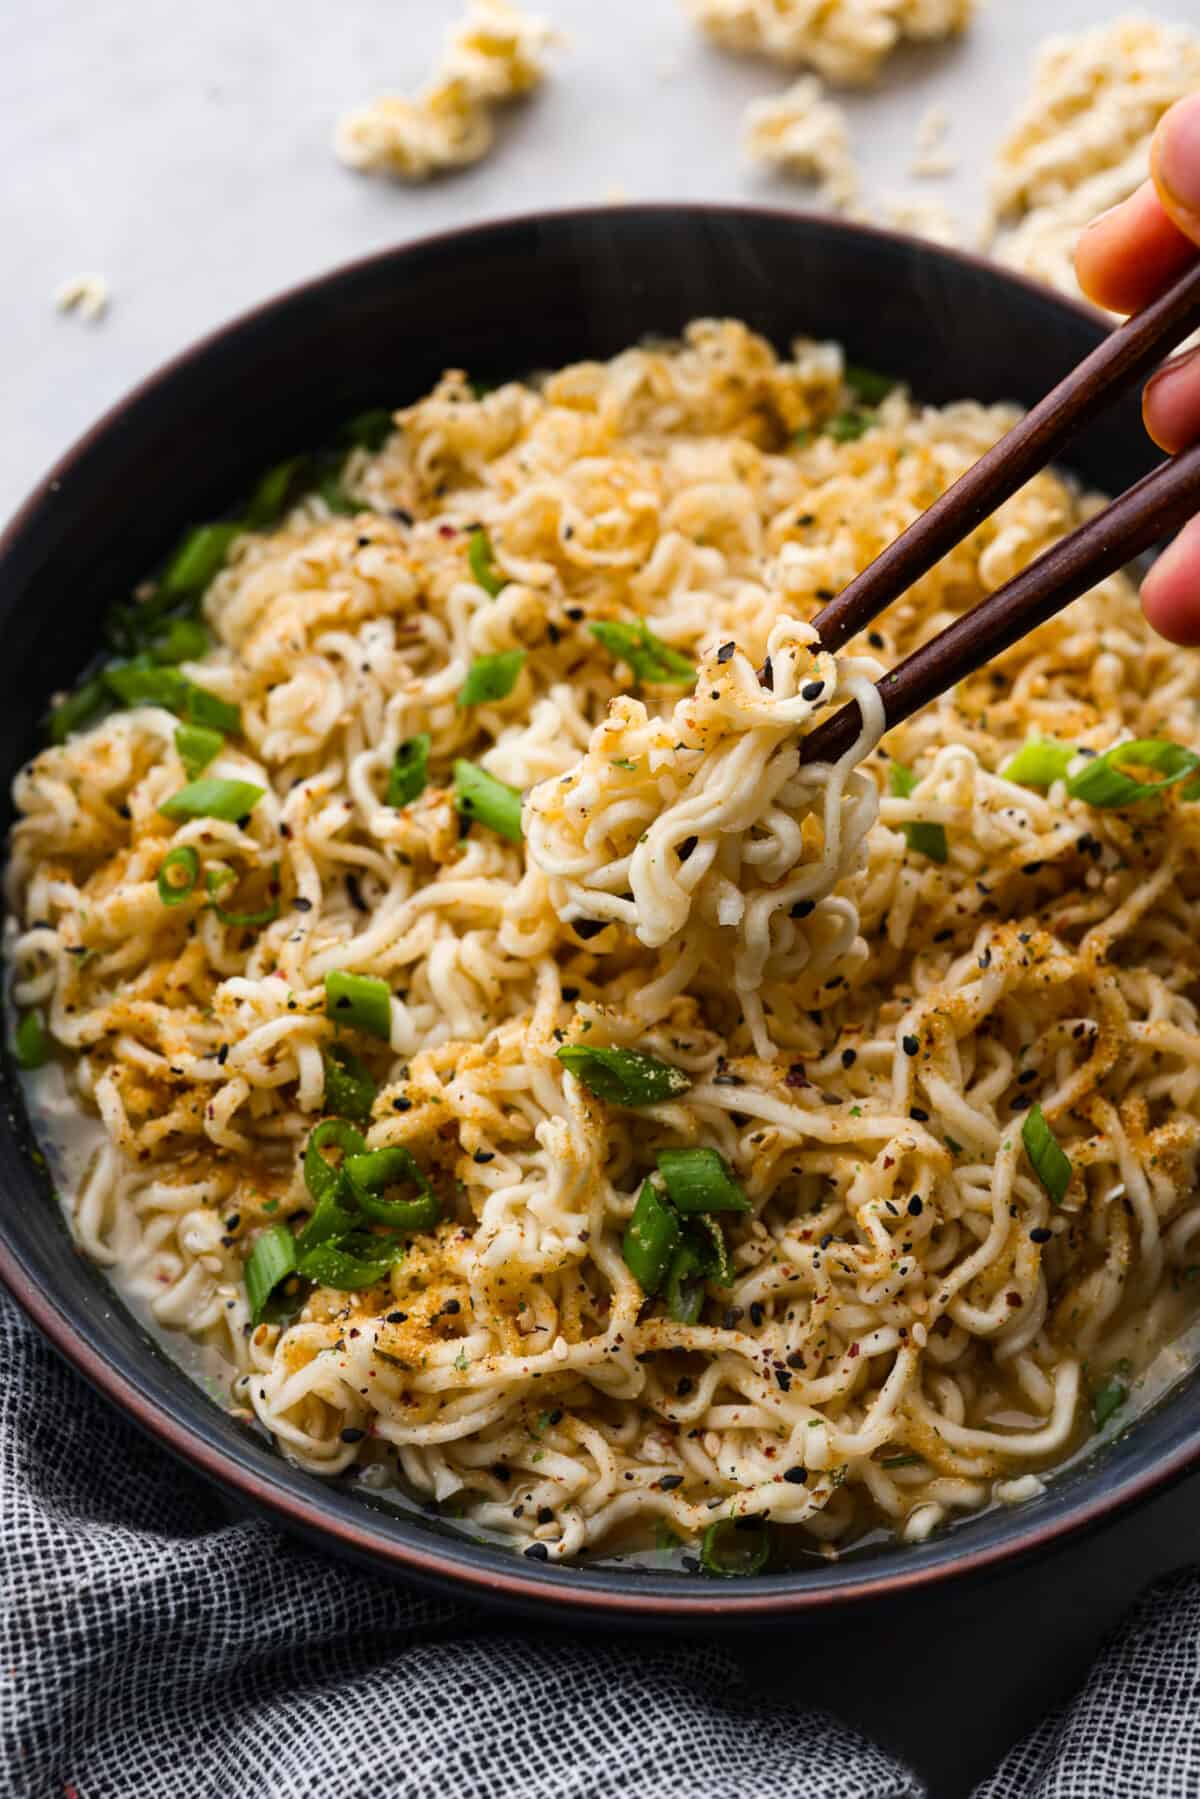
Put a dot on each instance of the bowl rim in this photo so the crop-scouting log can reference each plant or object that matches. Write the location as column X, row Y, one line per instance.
column 298, row 1501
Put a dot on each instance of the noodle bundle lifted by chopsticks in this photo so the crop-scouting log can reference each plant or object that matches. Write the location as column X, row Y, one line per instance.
column 707, row 1138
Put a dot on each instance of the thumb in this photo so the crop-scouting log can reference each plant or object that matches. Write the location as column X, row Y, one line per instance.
column 1175, row 165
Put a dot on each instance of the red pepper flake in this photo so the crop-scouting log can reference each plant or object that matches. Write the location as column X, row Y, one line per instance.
column 796, row 1076
column 447, row 531
column 852, row 1351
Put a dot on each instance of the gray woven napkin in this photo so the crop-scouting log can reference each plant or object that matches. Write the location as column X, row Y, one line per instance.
column 150, row 1647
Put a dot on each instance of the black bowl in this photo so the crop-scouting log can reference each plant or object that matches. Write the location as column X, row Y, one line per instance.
column 503, row 298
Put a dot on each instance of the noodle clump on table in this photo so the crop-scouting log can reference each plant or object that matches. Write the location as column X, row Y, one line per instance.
column 532, row 1080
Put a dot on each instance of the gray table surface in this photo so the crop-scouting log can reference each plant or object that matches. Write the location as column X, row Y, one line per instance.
column 184, row 152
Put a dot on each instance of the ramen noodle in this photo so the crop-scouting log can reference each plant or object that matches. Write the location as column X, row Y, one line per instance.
column 844, row 40
column 545, row 1091
column 804, row 133
column 495, row 55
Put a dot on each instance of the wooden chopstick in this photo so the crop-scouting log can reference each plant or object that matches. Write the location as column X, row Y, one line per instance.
column 1154, row 508
column 1127, row 354
column 1151, row 510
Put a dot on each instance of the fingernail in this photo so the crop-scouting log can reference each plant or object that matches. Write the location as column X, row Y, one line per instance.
column 1101, row 216
column 1177, row 154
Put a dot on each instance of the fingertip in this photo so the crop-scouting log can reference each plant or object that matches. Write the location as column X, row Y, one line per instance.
column 1171, row 403
column 1175, row 165
column 1171, row 590
column 1130, row 253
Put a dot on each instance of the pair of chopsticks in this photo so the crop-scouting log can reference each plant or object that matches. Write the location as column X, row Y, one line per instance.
column 1153, row 509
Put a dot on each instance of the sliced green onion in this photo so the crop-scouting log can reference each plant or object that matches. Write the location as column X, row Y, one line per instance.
column 360, row 1000
column 1103, row 781
column 371, row 1173
column 409, row 773
column 271, row 1260
column 867, row 384
column 652, row 661
column 1051, row 1163
column 184, row 640
column 732, row 1547
column 322, row 1178
column 481, row 560
column 651, row 1239
column 1109, row 1398
column 845, row 427
column 685, row 1284
column 902, row 1461
column 624, row 1077
column 213, row 797
column 178, row 873
column 478, row 795
column 31, row 1041
column 273, row 491
column 143, row 683
column 330, row 488
column 197, row 745
column 198, row 558
column 1039, row 763
column 698, row 1180
column 217, row 879
column 330, row 1220
column 79, row 709
column 331, row 1265
column 922, row 838
column 349, row 1089
column 491, row 678
column 370, row 429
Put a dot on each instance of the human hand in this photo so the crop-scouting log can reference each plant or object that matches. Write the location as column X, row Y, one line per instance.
column 1126, row 257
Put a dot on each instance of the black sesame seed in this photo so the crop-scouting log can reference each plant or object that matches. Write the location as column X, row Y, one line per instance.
column 452, row 1306
column 756, row 1314
column 732, row 1318
column 919, row 1114
column 1021, row 1102
column 350, row 1435
column 797, row 1476
column 725, row 653
column 537, row 1552
column 396, row 1318
column 683, row 850
column 916, row 1206
column 849, row 1058
column 795, row 1359
column 300, row 904
column 910, row 1045
column 875, row 640
column 545, row 1515
column 484, row 1155
column 1040, row 1235
column 802, row 908
column 669, row 1482
column 784, row 1379
column 812, row 690
column 766, row 676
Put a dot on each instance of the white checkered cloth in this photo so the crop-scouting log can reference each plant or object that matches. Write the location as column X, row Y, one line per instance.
column 152, row 1649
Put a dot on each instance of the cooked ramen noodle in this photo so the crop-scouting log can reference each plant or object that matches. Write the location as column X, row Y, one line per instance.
column 549, row 1094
